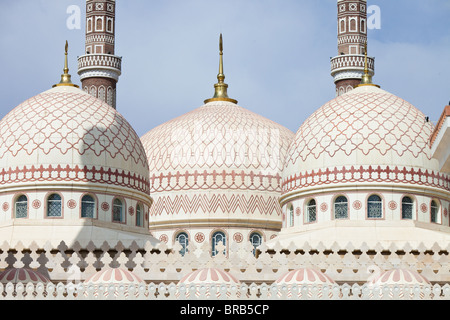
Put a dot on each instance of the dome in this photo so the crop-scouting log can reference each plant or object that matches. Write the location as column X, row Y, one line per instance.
column 209, row 276
column 398, row 277
column 65, row 135
column 114, row 276
column 22, row 275
column 400, row 282
column 313, row 279
column 353, row 168
column 305, row 276
column 202, row 280
column 81, row 168
column 219, row 162
column 364, row 130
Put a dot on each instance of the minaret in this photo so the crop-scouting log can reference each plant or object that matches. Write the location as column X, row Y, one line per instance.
column 348, row 67
column 99, row 68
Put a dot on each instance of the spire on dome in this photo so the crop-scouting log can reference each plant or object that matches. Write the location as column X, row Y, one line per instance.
column 366, row 79
column 66, row 77
column 221, row 87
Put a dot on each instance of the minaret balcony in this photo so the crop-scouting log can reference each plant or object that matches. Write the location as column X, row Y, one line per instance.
column 100, row 65
column 349, row 62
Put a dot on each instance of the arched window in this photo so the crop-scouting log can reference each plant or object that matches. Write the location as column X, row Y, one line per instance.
column 87, row 207
column 407, row 208
column 54, row 205
column 183, row 239
column 118, row 215
column 99, row 24
column 139, row 216
column 374, row 207
column 341, row 208
column 21, row 207
column 311, row 211
column 291, row 215
column 255, row 240
column 218, row 237
column 434, row 211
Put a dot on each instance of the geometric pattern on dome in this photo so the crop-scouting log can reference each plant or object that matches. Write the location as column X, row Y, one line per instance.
column 62, row 121
column 398, row 277
column 305, row 276
column 217, row 135
column 114, row 276
column 369, row 122
column 209, row 276
column 22, row 275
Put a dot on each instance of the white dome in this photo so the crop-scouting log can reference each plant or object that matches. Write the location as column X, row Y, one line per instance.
column 398, row 277
column 365, row 130
column 209, row 276
column 65, row 135
column 22, row 275
column 219, row 162
column 114, row 276
column 72, row 169
column 305, row 276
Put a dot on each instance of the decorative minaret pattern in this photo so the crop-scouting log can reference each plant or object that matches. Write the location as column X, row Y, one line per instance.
column 348, row 67
column 99, row 68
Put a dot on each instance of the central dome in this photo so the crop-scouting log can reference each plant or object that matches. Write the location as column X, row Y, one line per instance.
column 204, row 164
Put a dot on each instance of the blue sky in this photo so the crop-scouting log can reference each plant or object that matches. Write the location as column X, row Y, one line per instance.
column 276, row 54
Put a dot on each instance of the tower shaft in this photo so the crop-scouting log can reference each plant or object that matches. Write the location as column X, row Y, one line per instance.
column 347, row 68
column 99, row 68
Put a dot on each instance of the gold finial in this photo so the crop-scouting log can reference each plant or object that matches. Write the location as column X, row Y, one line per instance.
column 66, row 77
column 221, row 87
column 367, row 77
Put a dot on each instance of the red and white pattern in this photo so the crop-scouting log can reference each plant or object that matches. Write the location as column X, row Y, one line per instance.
column 36, row 204
column 368, row 121
column 113, row 276
column 218, row 135
column 199, row 237
column 78, row 137
column 68, row 173
column 401, row 278
column 180, row 204
column 366, row 174
column 392, row 205
column 303, row 276
column 366, row 136
column 208, row 277
column 357, row 205
column 71, row 204
column 22, row 275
